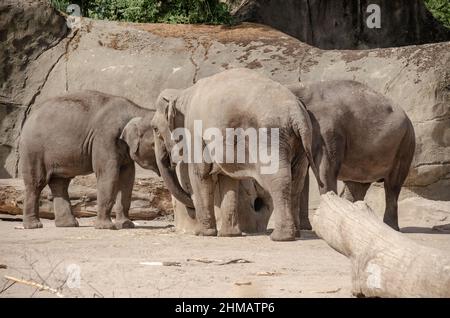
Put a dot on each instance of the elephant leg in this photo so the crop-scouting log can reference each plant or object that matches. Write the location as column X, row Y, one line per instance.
column 392, row 187
column 393, row 183
column 31, row 207
column 123, row 201
column 299, row 173
column 304, row 205
column 392, row 192
column 229, row 206
column 279, row 186
column 61, row 202
column 107, row 188
column 34, row 181
column 203, row 188
column 328, row 170
column 355, row 191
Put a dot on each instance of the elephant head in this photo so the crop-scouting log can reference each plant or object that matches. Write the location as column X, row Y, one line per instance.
column 163, row 123
column 138, row 135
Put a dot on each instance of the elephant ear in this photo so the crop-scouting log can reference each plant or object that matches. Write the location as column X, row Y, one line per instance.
column 131, row 135
column 170, row 97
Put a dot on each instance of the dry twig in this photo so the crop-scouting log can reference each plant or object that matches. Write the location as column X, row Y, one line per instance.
column 160, row 263
column 34, row 284
column 219, row 261
column 329, row 291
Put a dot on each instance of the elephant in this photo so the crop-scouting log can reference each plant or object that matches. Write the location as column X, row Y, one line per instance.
column 79, row 133
column 235, row 99
column 359, row 137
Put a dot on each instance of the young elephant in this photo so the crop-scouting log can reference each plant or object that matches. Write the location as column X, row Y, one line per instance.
column 245, row 99
column 81, row 133
column 359, row 138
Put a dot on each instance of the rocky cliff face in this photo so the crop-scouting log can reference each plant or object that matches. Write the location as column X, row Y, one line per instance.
column 139, row 60
column 342, row 24
column 28, row 31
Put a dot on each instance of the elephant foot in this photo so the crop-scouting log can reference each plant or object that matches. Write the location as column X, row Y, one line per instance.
column 104, row 225
column 66, row 222
column 392, row 223
column 230, row 232
column 282, row 236
column 124, row 224
column 206, row 232
column 297, row 233
column 32, row 223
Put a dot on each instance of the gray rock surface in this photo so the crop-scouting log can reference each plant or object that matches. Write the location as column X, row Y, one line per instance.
column 28, row 30
column 139, row 60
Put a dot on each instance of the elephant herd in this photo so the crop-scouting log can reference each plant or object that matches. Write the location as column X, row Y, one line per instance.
column 342, row 130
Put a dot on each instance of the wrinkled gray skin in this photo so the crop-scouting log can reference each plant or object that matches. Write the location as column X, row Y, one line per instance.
column 81, row 133
column 238, row 98
column 359, row 138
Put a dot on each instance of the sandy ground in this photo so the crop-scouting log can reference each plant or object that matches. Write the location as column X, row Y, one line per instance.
column 112, row 263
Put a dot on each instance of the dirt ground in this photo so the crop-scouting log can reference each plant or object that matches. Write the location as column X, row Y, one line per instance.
column 84, row 262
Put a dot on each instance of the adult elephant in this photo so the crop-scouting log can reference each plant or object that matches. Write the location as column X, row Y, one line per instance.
column 359, row 138
column 238, row 98
column 80, row 133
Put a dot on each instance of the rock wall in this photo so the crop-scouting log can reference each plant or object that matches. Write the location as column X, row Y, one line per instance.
column 28, row 31
column 139, row 60
column 341, row 24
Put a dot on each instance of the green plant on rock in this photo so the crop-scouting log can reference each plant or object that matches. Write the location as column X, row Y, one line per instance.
column 195, row 11
column 167, row 11
column 60, row 5
column 124, row 10
column 440, row 10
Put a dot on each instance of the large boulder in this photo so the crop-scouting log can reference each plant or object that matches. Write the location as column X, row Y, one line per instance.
column 139, row 60
column 342, row 24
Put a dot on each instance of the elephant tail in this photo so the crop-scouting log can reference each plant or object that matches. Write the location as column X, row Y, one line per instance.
column 302, row 126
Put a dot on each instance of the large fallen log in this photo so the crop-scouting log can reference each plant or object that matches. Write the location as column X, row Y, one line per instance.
column 385, row 263
column 149, row 200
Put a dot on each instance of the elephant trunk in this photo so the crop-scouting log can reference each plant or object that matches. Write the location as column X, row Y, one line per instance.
column 169, row 175
column 303, row 128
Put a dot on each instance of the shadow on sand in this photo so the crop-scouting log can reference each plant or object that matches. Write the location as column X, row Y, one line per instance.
column 442, row 229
